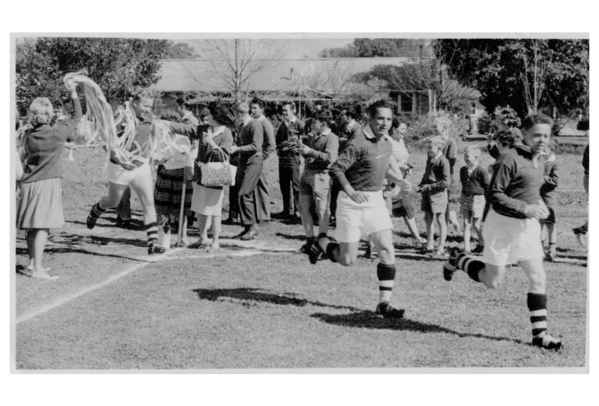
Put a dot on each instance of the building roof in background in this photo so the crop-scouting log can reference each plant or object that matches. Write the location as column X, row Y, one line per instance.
column 282, row 75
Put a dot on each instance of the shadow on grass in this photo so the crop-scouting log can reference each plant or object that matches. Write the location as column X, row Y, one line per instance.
column 77, row 250
column 368, row 319
column 357, row 318
column 404, row 246
column 295, row 237
column 101, row 240
column 418, row 257
column 404, row 234
column 134, row 225
column 264, row 296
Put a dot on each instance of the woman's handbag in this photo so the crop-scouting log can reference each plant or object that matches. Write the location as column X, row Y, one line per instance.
column 217, row 172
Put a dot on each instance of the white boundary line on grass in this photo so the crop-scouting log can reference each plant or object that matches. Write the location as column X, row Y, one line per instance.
column 148, row 260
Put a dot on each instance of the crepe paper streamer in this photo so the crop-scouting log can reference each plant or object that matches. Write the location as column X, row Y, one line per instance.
column 116, row 132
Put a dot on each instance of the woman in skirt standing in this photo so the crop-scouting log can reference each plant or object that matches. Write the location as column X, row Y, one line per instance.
column 207, row 201
column 40, row 206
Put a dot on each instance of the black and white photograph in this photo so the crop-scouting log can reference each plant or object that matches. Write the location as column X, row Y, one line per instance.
column 186, row 202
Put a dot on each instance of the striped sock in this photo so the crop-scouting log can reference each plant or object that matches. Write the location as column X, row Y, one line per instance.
column 386, row 276
column 152, row 232
column 537, row 305
column 472, row 266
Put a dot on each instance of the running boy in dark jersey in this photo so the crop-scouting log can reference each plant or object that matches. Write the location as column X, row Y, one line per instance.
column 360, row 169
column 512, row 231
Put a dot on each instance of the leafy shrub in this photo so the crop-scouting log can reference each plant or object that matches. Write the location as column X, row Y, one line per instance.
column 484, row 124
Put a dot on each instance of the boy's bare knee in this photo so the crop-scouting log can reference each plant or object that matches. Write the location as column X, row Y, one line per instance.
column 537, row 284
column 387, row 255
column 347, row 260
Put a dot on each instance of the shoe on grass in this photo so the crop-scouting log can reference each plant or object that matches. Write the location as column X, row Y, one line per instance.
column 155, row 250
column 305, row 248
column 215, row 246
column 314, row 253
column 451, row 266
column 420, row 241
column 547, row 341
column 389, row 312
column 249, row 236
column 39, row 274
column 91, row 221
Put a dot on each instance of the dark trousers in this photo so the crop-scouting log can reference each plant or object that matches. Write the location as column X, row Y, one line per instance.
column 123, row 210
column 335, row 189
column 248, row 176
column 233, row 201
column 263, row 199
column 289, row 182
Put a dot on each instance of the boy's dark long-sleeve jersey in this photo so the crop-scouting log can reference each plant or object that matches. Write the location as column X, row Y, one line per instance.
column 515, row 182
column 364, row 161
column 436, row 175
column 288, row 136
column 325, row 149
column 550, row 183
column 475, row 183
column 251, row 139
column 269, row 143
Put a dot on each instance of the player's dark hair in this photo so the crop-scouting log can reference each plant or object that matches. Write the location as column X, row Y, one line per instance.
column 221, row 115
column 533, row 119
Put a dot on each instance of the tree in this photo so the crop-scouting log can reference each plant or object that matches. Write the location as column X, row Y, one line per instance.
column 381, row 47
column 119, row 66
column 527, row 74
column 237, row 60
column 406, row 77
column 181, row 50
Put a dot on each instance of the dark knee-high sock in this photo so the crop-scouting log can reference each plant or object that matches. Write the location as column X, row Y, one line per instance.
column 471, row 265
column 152, row 232
column 537, row 305
column 386, row 275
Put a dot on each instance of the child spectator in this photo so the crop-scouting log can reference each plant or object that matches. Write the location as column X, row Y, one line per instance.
column 547, row 194
column 320, row 150
column 474, row 180
column 433, row 187
column 400, row 198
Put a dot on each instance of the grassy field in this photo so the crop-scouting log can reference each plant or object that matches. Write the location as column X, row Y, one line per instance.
column 264, row 306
